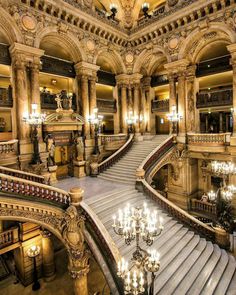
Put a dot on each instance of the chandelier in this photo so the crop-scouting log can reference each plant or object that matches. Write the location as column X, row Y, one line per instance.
column 174, row 116
column 223, row 168
column 35, row 118
column 136, row 224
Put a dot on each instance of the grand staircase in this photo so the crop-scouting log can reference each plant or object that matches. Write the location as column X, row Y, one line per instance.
column 189, row 264
column 124, row 170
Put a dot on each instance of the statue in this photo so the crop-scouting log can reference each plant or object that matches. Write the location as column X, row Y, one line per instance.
column 59, row 102
column 51, row 150
column 79, row 148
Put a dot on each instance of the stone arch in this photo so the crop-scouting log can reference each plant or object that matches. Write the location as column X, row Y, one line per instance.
column 149, row 58
column 113, row 58
column 9, row 28
column 68, row 42
column 198, row 41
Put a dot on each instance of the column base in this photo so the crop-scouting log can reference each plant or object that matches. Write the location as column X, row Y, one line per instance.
column 138, row 137
column 79, row 169
column 53, row 174
column 181, row 138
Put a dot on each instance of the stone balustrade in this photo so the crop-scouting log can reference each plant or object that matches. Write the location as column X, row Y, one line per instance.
column 9, row 237
column 206, row 208
column 34, row 190
column 160, row 105
column 22, row 174
column 209, row 139
column 112, row 142
column 7, row 147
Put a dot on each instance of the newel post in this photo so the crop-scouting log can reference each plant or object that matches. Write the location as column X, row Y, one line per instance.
column 72, row 228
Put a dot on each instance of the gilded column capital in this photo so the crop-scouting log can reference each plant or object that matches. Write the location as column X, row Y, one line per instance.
column 177, row 67
column 28, row 54
column 88, row 69
column 191, row 72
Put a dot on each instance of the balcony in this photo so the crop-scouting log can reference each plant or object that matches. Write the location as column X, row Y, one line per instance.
column 215, row 98
column 212, row 142
column 106, row 105
column 160, row 105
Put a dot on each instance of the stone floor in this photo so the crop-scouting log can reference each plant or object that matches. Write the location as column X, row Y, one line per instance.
column 92, row 186
column 61, row 285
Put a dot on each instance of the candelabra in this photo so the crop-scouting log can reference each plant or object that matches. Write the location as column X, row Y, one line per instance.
column 135, row 224
column 35, row 120
column 145, row 8
column 114, row 9
column 96, row 120
column 131, row 120
column 174, row 118
column 33, row 252
column 223, row 168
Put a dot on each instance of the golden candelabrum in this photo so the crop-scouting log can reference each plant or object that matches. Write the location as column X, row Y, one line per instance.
column 136, row 224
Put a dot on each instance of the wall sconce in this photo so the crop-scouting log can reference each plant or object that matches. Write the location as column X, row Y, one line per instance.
column 145, row 8
column 114, row 9
column 53, row 81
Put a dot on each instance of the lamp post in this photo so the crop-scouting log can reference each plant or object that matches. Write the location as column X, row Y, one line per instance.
column 114, row 9
column 33, row 252
column 145, row 8
column 96, row 120
column 136, row 224
column 35, row 119
column 174, row 117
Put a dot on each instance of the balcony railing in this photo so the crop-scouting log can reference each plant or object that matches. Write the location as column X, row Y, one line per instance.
column 156, row 13
column 209, row 139
column 9, row 237
column 106, row 105
column 6, row 99
column 7, row 147
column 160, row 105
column 215, row 98
column 205, row 208
column 112, row 142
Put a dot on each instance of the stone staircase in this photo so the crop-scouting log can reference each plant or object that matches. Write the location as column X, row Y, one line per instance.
column 189, row 264
column 124, row 170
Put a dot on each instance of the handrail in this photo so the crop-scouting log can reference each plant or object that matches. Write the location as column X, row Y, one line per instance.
column 9, row 237
column 114, row 157
column 209, row 138
column 22, row 174
column 8, row 146
column 164, row 203
column 23, row 187
column 204, row 207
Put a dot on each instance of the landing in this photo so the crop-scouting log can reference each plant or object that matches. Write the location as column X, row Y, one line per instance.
column 91, row 186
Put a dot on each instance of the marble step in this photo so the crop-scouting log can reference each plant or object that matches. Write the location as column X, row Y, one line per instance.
column 228, row 280
column 173, row 267
column 120, row 174
column 183, row 269
column 123, row 169
column 206, row 272
column 189, row 279
column 116, row 179
column 217, row 273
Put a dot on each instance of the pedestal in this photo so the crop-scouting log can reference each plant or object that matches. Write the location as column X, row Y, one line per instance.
column 94, row 165
column 48, row 257
column 79, row 168
column 53, row 174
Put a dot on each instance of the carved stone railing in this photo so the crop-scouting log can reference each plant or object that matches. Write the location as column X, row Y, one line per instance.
column 106, row 105
column 9, row 237
column 6, row 99
column 7, row 147
column 157, row 12
column 112, row 142
column 209, row 139
column 33, row 190
column 165, row 204
column 116, row 156
column 205, row 208
column 22, row 174
column 214, row 98
column 160, row 105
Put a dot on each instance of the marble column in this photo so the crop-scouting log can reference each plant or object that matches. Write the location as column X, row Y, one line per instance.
column 137, row 107
column 147, row 108
column 48, row 256
column 85, row 104
column 207, row 123
column 92, row 100
column 181, row 103
column 192, row 114
column 221, row 122
column 124, row 108
column 117, row 124
column 172, row 91
column 1, row 226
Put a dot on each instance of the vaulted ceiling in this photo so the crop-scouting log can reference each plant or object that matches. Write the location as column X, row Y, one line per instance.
column 129, row 11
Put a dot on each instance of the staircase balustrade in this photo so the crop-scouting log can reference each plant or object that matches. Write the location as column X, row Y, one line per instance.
column 116, row 156
column 26, row 188
column 206, row 208
column 22, row 174
column 9, row 237
column 165, row 204
column 7, row 147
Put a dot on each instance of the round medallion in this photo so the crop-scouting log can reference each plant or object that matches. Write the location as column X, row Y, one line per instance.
column 28, row 22
column 173, row 43
column 129, row 58
column 90, row 45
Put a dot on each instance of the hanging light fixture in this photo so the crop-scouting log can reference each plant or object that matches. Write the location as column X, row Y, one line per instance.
column 114, row 10
column 145, row 8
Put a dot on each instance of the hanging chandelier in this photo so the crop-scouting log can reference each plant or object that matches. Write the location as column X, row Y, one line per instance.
column 136, row 224
column 223, row 168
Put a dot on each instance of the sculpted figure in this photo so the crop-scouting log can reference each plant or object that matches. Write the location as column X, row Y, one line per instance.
column 59, row 102
column 51, row 149
column 79, row 149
